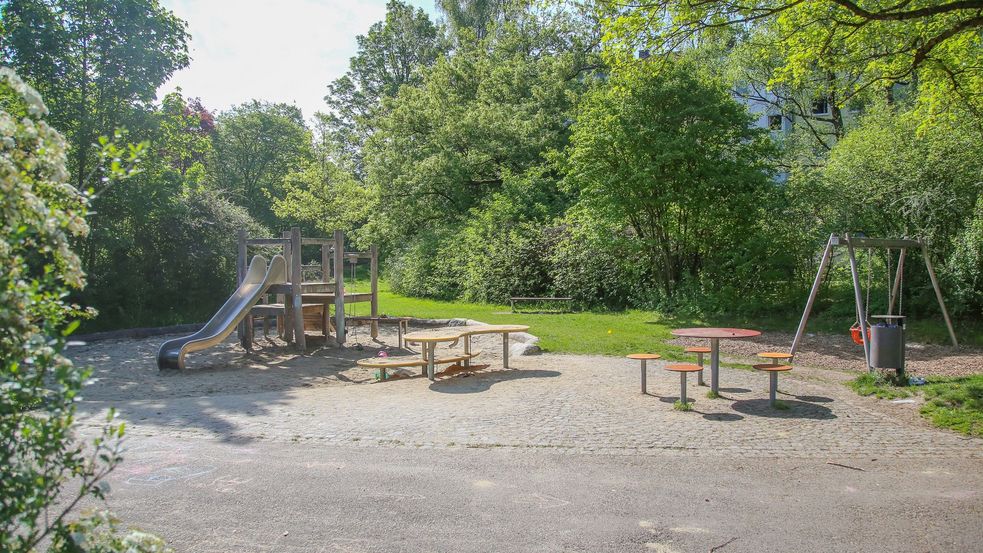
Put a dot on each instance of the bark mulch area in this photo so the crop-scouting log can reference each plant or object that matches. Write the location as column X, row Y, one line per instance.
column 830, row 351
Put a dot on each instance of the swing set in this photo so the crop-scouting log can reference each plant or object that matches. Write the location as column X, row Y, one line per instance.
column 860, row 331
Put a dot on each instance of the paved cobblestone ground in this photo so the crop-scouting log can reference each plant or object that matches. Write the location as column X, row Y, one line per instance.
column 277, row 452
column 572, row 404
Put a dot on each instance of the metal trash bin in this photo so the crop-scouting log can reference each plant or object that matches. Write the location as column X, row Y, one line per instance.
column 887, row 343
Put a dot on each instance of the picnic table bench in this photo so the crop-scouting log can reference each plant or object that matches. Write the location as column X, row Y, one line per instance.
column 452, row 334
column 385, row 363
column 402, row 324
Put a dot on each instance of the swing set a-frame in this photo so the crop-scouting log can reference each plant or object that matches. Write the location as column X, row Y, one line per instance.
column 853, row 243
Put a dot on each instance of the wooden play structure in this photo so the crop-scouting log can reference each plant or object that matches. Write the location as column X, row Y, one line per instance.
column 303, row 303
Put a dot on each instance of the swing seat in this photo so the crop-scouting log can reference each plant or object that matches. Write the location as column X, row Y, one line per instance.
column 855, row 334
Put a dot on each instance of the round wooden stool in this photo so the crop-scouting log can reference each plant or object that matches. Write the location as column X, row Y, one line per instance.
column 772, row 369
column 682, row 369
column 644, row 357
column 699, row 351
column 775, row 356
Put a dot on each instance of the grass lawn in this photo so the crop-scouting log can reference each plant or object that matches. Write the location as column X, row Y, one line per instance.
column 618, row 333
column 950, row 402
column 624, row 332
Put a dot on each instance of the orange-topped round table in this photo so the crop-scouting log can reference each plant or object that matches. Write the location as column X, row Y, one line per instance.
column 714, row 335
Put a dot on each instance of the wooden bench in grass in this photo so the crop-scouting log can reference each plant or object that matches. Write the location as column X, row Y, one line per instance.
column 522, row 299
column 402, row 324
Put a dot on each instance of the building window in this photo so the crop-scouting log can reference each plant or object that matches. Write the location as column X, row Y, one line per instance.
column 644, row 54
column 775, row 122
column 820, row 106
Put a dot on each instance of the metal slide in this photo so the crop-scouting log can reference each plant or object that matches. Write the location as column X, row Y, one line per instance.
column 258, row 278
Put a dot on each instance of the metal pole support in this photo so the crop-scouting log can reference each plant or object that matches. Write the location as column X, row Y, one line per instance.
column 772, row 387
column 938, row 294
column 714, row 365
column 699, row 378
column 431, row 347
column 858, row 297
column 644, row 373
column 827, row 254
column 505, row 349
column 682, row 388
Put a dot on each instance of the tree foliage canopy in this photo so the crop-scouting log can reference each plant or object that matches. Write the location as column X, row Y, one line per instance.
column 255, row 146
column 874, row 43
column 488, row 111
column 95, row 63
column 391, row 54
column 672, row 157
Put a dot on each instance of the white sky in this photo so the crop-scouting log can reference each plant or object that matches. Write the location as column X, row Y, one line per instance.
column 279, row 51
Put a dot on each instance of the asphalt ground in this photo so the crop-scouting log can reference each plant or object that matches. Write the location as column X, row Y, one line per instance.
column 204, row 495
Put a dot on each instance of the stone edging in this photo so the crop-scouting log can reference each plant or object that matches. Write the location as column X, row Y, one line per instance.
column 525, row 343
column 131, row 333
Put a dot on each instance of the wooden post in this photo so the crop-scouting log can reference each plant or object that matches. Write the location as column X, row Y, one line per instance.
column 325, row 263
column 827, row 254
column 896, row 287
column 297, row 291
column 240, row 275
column 374, row 278
column 339, row 287
column 938, row 294
column 288, row 307
column 859, row 298
column 326, row 278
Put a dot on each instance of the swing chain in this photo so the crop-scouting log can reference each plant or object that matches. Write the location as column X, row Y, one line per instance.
column 890, row 282
column 870, row 282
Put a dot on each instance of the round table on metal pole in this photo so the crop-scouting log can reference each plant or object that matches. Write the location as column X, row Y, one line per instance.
column 715, row 335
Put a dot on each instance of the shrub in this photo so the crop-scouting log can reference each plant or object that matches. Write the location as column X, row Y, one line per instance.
column 41, row 214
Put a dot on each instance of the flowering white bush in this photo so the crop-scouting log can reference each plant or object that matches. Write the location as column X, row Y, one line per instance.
column 40, row 215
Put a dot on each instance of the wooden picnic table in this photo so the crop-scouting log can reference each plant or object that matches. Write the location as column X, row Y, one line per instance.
column 715, row 335
column 430, row 339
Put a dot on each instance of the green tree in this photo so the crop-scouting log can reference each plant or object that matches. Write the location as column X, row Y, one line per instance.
column 670, row 157
column 875, row 44
column 476, row 16
column 895, row 175
column 167, row 254
column 256, row 145
column 491, row 109
column 98, row 63
column 325, row 197
column 39, row 452
column 185, row 130
column 389, row 56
